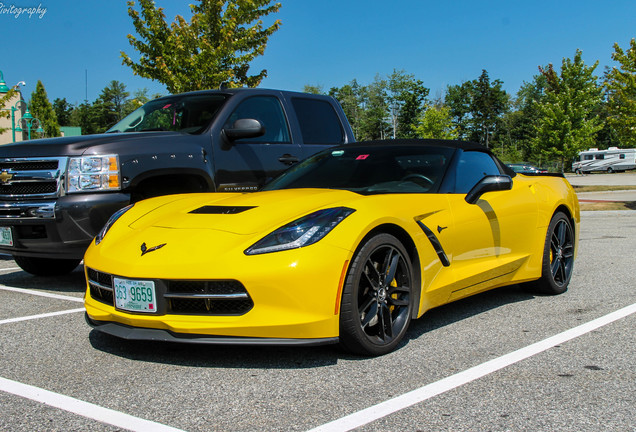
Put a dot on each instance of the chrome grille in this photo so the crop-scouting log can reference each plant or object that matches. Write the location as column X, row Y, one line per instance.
column 31, row 177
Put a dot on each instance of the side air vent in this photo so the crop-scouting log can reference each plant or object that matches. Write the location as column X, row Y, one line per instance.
column 221, row 209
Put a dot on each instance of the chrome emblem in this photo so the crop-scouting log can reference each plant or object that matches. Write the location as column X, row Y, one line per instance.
column 145, row 249
column 5, row 176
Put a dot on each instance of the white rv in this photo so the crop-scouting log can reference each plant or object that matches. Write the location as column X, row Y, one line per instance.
column 611, row 160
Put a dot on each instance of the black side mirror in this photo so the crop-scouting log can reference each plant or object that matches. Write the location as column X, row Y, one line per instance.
column 244, row 128
column 489, row 183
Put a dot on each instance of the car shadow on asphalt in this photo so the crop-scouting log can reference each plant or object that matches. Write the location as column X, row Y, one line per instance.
column 71, row 282
column 276, row 357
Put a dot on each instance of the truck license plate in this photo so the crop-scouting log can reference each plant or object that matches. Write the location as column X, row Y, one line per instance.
column 6, row 236
column 135, row 295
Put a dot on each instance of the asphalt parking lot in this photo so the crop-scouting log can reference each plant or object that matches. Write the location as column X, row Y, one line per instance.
column 505, row 360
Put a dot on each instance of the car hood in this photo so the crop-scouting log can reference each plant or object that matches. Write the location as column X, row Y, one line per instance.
column 120, row 143
column 243, row 214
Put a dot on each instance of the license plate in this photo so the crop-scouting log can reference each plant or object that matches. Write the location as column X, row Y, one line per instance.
column 135, row 295
column 6, row 236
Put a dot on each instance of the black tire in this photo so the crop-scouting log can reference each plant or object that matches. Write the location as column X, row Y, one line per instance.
column 46, row 266
column 376, row 310
column 610, row 170
column 558, row 257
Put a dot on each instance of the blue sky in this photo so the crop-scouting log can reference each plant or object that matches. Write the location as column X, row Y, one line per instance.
column 73, row 48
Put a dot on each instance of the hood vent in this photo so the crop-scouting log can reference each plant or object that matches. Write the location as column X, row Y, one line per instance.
column 221, row 209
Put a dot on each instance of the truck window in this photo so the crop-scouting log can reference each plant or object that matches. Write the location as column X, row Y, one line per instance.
column 600, row 156
column 267, row 110
column 319, row 123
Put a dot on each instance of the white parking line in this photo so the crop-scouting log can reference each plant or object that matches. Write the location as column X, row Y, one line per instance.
column 82, row 408
column 406, row 400
column 41, row 294
column 46, row 315
column 10, row 268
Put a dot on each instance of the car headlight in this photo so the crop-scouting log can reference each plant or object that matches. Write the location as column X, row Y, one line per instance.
column 93, row 173
column 102, row 233
column 302, row 232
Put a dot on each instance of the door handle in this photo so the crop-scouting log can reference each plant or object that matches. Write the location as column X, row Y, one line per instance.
column 288, row 159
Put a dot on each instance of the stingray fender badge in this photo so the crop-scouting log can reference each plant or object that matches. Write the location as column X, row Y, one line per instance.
column 145, row 249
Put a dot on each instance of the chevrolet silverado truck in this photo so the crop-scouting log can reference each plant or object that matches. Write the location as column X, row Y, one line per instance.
column 56, row 194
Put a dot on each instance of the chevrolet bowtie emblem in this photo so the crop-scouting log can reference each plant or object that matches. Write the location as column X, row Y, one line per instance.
column 5, row 176
column 145, row 249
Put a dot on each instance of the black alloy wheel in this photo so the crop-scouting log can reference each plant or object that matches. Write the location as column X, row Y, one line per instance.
column 377, row 297
column 558, row 256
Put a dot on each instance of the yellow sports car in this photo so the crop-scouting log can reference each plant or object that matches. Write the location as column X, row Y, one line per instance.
column 347, row 246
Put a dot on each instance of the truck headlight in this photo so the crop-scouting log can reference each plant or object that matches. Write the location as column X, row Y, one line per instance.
column 93, row 173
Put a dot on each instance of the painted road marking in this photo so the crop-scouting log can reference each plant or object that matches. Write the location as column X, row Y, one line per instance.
column 406, row 400
column 84, row 409
column 41, row 294
column 45, row 315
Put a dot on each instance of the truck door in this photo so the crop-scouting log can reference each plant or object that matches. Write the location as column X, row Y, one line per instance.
column 246, row 164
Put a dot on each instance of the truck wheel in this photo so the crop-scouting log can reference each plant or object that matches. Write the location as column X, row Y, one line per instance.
column 46, row 266
column 610, row 170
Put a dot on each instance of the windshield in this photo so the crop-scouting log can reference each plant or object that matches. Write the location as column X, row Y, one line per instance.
column 186, row 113
column 370, row 170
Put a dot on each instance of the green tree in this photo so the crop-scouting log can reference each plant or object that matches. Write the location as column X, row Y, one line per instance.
column 458, row 100
column 436, row 122
column 351, row 97
column 109, row 107
column 85, row 116
column 215, row 47
column 567, row 120
column 63, row 111
column 42, row 109
column 620, row 83
column 405, row 98
column 373, row 122
column 488, row 104
column 313, row 89
column 5, row 112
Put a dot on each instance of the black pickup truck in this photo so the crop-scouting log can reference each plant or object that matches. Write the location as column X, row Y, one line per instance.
column 56, row 194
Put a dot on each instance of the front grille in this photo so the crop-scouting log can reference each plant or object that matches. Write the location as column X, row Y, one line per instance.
column 28, row 188
column 224, row 297
column 100, row 286
column 29, row 165
column 31, row 177
column 183, row 297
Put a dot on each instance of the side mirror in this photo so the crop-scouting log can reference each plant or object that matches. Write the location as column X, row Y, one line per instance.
column 489, row 183
column 243, row 128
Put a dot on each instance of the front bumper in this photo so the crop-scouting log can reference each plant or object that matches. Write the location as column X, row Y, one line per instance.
column 61, row 228
column 295, row 293
column 149, row 334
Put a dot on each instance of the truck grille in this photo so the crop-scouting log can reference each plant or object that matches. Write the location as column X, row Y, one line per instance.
column 182, row 297
column 31, row 177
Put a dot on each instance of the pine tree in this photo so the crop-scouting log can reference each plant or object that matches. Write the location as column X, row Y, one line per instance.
column 42, row 109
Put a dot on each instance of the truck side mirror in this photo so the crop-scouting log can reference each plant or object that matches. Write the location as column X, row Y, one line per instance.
column 243, row 128
column 489, row 183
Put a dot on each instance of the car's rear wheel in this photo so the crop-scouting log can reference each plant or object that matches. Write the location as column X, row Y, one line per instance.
column 558, row 256
column 46, row 266
column 377, row 297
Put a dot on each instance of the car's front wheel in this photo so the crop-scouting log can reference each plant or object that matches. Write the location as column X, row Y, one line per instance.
column 558, row 257
column 377, row 299
column 46, row 266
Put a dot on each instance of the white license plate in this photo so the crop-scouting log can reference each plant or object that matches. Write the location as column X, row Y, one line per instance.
column 135, row 295
column 6, row 236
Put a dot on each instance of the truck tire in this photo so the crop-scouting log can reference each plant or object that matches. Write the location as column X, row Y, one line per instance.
column 46, row 266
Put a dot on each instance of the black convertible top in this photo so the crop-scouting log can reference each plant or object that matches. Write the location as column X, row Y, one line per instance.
column 464, row 145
